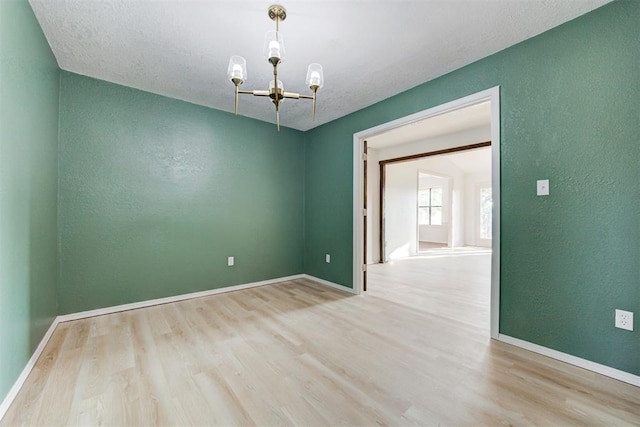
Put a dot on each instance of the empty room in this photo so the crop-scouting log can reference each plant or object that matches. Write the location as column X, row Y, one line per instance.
column 193, row 227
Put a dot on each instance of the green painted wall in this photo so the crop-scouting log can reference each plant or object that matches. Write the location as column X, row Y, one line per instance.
column 29, row 88
column 570, row 102
column 155, row 193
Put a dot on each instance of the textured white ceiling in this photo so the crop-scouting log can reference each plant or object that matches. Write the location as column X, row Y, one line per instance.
column 370, row 50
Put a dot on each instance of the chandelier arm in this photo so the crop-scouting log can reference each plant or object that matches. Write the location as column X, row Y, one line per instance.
column 305, row 96
column 291, row 95
column 236, row 99
column 276, row 100
column 314, row 107
column 259, row 92
column 314, row 88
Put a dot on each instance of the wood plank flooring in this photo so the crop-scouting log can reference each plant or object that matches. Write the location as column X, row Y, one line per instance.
column 415, row 350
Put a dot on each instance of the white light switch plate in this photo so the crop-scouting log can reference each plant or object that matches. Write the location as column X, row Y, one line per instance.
column 327, row 258
column 543, row 187
column 230, row 261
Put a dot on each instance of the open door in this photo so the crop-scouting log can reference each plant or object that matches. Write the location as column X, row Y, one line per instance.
column 364, row 218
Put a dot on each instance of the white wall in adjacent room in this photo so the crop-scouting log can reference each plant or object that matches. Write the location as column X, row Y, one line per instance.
column 472, row 213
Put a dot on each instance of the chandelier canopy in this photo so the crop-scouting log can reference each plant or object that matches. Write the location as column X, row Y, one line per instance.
column 274, row 53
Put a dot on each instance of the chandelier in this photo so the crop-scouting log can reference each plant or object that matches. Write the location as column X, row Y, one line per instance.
column 274, row 54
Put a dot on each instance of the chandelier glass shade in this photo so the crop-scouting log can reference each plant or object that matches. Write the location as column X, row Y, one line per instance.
column 274, row 53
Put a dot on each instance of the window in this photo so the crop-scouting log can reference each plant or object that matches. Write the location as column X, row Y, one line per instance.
column 430, row 206
column 486, row 203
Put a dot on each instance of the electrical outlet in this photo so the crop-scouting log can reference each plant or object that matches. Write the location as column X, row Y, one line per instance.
column 624, row 320
column 327, row 258
column 231, row 261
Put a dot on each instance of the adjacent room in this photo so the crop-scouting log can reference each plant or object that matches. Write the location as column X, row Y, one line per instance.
column 426, row 178
column 199, row 227
column 429, row 215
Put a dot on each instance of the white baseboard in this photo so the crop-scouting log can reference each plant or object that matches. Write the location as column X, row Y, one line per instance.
column 331, row 284
column 573, row 360
column 8, row 400
column 167, row 300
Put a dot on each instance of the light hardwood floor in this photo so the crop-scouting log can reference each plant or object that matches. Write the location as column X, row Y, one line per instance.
column 414, row 351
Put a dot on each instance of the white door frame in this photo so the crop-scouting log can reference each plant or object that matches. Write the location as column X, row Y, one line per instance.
column 493, row 95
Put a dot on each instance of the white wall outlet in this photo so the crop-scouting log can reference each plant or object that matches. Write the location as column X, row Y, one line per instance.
column 327, row 258
column 624, row 320
column 543, row 187
column 231, row 261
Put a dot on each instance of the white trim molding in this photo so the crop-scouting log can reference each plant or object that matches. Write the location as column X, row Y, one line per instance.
column 8, row 400
column 573, row 360
column 330, row 284
column 492, row 95
column 167, row 300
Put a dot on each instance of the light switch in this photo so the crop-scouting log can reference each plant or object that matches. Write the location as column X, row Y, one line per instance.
column 543, row 187
column 231, row 261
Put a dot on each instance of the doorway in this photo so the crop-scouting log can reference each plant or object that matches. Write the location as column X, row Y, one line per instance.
column 362, row 211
